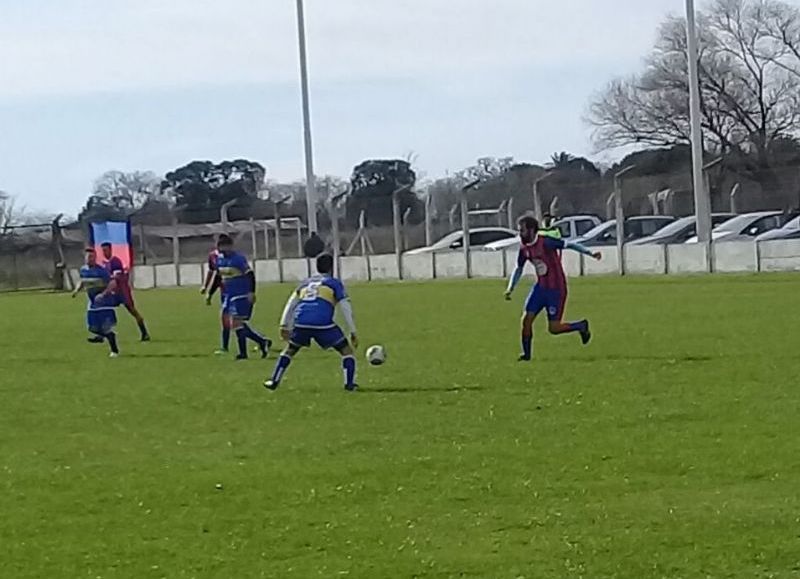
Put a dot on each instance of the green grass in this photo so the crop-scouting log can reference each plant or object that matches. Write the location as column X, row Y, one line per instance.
column 667, row 448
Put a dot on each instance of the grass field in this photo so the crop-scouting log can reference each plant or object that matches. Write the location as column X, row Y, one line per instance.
column 667, row 448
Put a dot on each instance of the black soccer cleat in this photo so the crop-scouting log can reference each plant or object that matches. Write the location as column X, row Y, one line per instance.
column 146, row 338
column 351, row 387
column 586, row 334
column 241, row 357
column 95, row 340
column 524, row 358
column 271, row 385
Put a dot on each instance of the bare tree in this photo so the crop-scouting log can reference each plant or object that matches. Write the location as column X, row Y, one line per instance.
column 749, row 80
column 125, row 191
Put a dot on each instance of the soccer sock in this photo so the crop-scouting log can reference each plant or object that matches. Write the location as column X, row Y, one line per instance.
column 576, row 326
column 255, row 336
column 142, row 328
column 280, row 368
column 349, row 367
column 226, row 338
column 112, row 341
column 527, row 346
column 241, row 339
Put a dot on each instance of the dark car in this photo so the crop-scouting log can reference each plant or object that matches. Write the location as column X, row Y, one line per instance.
column 635, row 228
column 681, row 230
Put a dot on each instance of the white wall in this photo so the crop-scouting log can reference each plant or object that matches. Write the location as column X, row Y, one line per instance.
column 735, row 257
column 645, row 259
column 780, row 255
column 191, row 274
column 607, row 265
column 451, row 265
column 418, row 267
column 686, row 258
column 353, row 268
column 487, row 264
column 295, row 270
column 267, row 271
column 383, row 267
column 165, row 275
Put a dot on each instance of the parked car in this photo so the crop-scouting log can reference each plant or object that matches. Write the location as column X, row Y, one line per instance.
column 478, row 237
column 635, row 228
column 571, row 227
column 747, row 226
column 789, row 231
column 681, row 230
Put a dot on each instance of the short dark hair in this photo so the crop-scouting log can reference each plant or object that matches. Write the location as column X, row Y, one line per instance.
column 529, row 221
column 325, row 263
column 105, row 244
column 224, row 239
column 89, row 250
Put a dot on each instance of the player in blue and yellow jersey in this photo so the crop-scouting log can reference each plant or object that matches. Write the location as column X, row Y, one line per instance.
column 101, row 318
column 309, row 315
column 239, row 296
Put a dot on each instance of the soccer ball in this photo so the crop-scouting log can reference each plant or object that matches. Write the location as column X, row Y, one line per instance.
column 376, row 355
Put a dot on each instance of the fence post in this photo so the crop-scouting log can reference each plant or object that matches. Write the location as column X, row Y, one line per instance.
column 254, row 240
column 620, row 217
column 176, row 250
column 465, row 225
column 398, row 242
column 735, row 198
column 428, row 220
column 278, row 252
column 266, row 240
column 510, row 213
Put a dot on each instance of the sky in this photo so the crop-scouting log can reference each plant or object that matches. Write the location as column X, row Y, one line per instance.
column 92, row 85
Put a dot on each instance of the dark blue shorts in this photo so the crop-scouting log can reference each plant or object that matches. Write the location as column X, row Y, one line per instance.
column 101, row 320
column 326, row 338
column 238, row 307
column 551, row 300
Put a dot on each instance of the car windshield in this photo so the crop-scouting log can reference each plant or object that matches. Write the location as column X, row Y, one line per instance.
column 447, row 240
column 674, row 227
column 595, row 231
column 793, row 224
column 737, row 223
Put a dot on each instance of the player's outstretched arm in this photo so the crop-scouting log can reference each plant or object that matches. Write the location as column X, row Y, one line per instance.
column 580, row 248
column 78, row 289
column 516, row 275
column 207, row 282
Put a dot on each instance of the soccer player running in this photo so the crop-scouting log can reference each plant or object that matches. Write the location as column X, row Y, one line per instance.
column 238, row 297
column 309, row 315
column 101, row 319
column 123, row 290
column 211, row 284
column 550, row 291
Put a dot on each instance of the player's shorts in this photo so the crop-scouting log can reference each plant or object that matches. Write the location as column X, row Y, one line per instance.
column 238, row 307
column 551, row 300
column 326, row 338
column 101, row 320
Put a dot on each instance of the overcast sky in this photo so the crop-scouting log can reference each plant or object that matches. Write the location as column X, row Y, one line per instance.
column 92, row 85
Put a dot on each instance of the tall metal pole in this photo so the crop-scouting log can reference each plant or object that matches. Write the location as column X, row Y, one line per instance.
column 619, row 215
column 702, row 203
column 311, row 191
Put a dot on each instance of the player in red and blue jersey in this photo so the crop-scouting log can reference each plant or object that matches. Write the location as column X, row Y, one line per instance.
column 101, row 319
column 239, row 296
column 211, row 284
column 124, row 292
column 550, row 291
column 309, row 315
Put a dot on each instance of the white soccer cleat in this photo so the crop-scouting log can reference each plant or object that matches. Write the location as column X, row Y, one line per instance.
column 113, row 355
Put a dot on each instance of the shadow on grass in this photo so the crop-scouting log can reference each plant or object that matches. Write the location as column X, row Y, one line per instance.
column 169, row 356
column 417, row 390
column 643, row 358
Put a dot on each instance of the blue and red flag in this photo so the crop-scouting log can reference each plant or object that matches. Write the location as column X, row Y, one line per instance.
column 118, row 234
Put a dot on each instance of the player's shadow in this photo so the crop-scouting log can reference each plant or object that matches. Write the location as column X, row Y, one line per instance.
column 691, row 358
column 417, row 390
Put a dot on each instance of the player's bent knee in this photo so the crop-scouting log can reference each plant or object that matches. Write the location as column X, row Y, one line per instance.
column 344, row 348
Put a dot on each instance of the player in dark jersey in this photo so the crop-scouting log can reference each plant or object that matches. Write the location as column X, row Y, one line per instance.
column 309, row 315
column 239, row 296
column 550, row 291
column 101, row 319
column 123, row 291
column 212, row 283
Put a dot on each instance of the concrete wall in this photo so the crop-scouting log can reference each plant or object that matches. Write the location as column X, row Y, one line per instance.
column 651, row 260
column 780, row 255
column 451, row 265
column 354, row 268
column 487, row 264
column 686, row 258
column 735, row 256
column 418, row 267
column 646, row 259
column 165, row 275
column 383, row 267
column 191, row 274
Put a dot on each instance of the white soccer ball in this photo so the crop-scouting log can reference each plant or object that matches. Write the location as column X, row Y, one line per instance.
column 376, row 355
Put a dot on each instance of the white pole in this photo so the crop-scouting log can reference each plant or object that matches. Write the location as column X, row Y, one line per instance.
column 311, row 192
column 702, row 204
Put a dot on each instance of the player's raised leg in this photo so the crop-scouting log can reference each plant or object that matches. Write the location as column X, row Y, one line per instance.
column 284, row 361
column 127, row 296
column 555, row 312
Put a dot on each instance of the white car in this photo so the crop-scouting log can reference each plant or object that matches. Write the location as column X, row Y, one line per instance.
column 571, row 227
column 746, row 227
column 478, row 237
column 789, row 231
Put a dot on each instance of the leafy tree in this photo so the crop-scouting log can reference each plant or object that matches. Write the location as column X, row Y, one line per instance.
column 372, row 185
